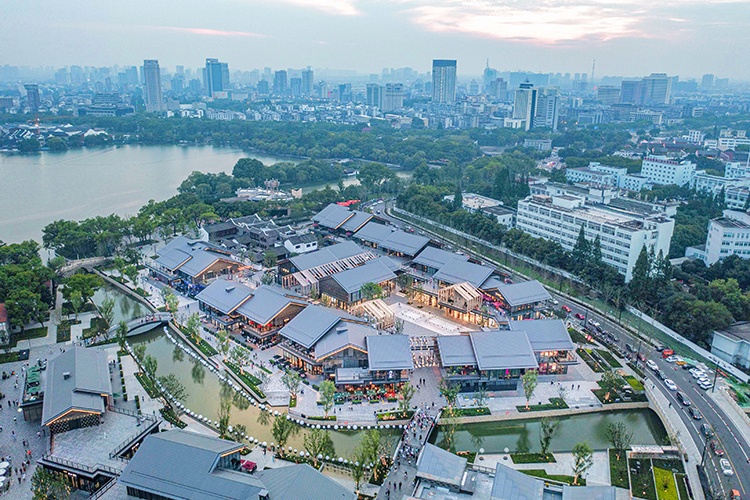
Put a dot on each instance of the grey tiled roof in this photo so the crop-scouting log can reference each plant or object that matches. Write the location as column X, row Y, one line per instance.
column 527, row 292
column 302, row 482
column 76, row 380
column 405, row 243
column 346, row 333
column 356, row 221
column 310, row 325
column 373, row 232
column 389, row 352
column 510, row 484
column 326, row 255
column 438, row 465
column 436, row 257
column 332, row 216
column 189, row 256
column 224, row 295
column 266, row 302
column 498, row 350
column 460, row 271
column 545, row 334
column 456, row 350
column 375, row 271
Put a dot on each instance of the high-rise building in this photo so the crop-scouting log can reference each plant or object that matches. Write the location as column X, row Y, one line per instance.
column 178, row 83
column 374, row 95
column 608, row 94
column 489, row 76
column 152, row 81
column 631, row 91
column 498, row 89
column 443, row 80
column 473, row 87
column 262, row 87
column 295, row 86
column 215, row 76
column 524, row 104
column 708, row 81
column 546, row 110
column 279, row 82
column 307, row 82
column 393, row 97
column 33, row 101
column 656, row 88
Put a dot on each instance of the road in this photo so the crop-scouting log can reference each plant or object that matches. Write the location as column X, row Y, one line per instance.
column 734, row 444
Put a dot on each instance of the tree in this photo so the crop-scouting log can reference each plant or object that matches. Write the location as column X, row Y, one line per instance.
column 581, row 253
column 139, row 351
column 449, row 392
column 481, row 396
column 122, row 333
column 359, row 460
column 76, row 302
column 107, row 311
column 610, row 382
column 529, row 381
column 619, row 436
column 225, row 409
column 640, row 284
column 131, row 272
column 583, row 459
column 407, row 393
column 318, row 442
column 24, row 306
column 371, row 291
column 547, row 430
column 150, row 365
column 291, row 381
column 404, row 282
column 85, row 284
column 267, row 279
column 171, row 302
column 282, row 430
column 224, row 342
column 48, row 485
column 120, row 265
column 270, row 259
column 458, row 198
column 173, row 386
column 327, row 391
column 193, row 326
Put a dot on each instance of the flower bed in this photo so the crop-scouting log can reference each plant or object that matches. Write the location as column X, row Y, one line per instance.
column 395, row 415
column 251, row 381
column 541, row 473
column 147, row 385
column 586, row 357
column 609, row 358
column 318, row 417
column 171, row 417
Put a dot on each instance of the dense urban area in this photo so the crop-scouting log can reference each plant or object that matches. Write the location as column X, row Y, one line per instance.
column 511, row 286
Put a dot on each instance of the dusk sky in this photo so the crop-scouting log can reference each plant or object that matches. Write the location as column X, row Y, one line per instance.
column 626, row 37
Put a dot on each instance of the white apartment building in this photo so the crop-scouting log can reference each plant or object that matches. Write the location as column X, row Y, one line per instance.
column 736, row 197
column 730, row 139
column 662, row 170
column 695, row 136
column 635, row 182
column 707, row 183
column 592, row 175
column 727, row 235
column 737, row 169
column 622, row 233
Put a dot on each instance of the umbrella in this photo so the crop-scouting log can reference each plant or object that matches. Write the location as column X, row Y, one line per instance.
column 4, row 465
column 3, row 471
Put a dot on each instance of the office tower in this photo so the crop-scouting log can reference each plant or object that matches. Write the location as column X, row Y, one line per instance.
column 498, row 89
column 76, row 75
column 279, row 82
column 546, row 110
column 374, row 95
column 262, row 87
column 32, row 97
column 178, row 83
column 656, row 88
column 608, row 94
column 708, row 81
column 131, row 75
column 345, row 92
column 443, row 80
column 524, row 105
column 307, row 82
column 215, row 76
column 180, row 70
column 473, row 87
column 61, row 76
column 631, row 91
column 393, row 97
column 295, row 85
column 152, row 80
column 489, row 76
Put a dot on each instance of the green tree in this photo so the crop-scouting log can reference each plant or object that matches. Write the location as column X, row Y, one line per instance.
column 131, row 272
column 547, row 431
column 139, row 352
column 404, row 282
column 450, row 392
column 48, row 485
column 24, row 306
column 122, row 333
column 173, row 386
column 270, row 259
column 458, row 198
column 171, row 302
column 318, row 442
column 529, row 381
column 619, row 436
column 282, row 430
column 224, row 342
column 107, row 311
column 291, row 381
column 583, row 459
column 76, row 302
column 581, row 254
column 327, row 391
column 407, row 393
column 359, row 461
column 640, row 284
column 610, row 382
column 192, row 327
column 120, row 265
column 150, row 365
column 85, row 284
column 371, row 291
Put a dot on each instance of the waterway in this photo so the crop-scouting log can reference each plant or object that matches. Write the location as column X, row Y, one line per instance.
column 520, row 435
column 40, row 188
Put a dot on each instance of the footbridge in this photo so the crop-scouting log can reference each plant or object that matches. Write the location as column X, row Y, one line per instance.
column 144, row 324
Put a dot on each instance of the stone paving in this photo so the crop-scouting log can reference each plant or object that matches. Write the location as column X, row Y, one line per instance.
column 598, row 474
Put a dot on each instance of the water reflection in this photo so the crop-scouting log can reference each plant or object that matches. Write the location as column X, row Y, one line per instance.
column 178, row 355
column 198, row 372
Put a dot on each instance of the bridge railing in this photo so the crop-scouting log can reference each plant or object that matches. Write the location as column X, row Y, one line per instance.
column 160, row 317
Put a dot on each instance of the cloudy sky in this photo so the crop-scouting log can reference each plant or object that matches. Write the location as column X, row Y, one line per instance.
column 626, row 37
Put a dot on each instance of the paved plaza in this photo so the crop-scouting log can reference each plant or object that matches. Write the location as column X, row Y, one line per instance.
column 598, row 474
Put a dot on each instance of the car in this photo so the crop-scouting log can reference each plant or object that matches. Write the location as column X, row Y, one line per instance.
column 580, row 316
column 670, row 359
column 693, row 411
column 680, row 362
column 595, row 323
column 670, row 384
column 667, row 353
column 688, row 366
column 659, row 347
column 718, row 451
column 682, row 399
column 726, row 467
column 630, row 347
column 703, row 381
column 706, row 386
column 707, row 431
column 697, row 373
column 566, row 309
column 652, row 364
column 555, row 301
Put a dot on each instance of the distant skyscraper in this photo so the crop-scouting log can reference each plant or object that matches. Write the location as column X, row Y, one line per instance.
column 279, row 82
column 490, row 75
column 152, row 80
column 608, row 94
column 498, row 89
column 708, row 81
column 656, row 89
column 178, row 83
column 524, row 105
column 262, row 87
column 393, row 97
column 374, row 95
column 215, row 76
column 631, row 91
column 295, row 86
column 443, row 80
column 32, row 97
column 307, row 82
column 546, row 109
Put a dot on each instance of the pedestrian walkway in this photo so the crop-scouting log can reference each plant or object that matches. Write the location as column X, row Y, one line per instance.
column 598, row 474
column 739, row 418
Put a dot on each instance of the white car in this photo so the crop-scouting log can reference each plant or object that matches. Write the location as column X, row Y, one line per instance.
column 706, row 386
column 670, row 384
column 555, row 301
column 671, row 359
column 651, row 364
column 726, row 467
column 697, row 373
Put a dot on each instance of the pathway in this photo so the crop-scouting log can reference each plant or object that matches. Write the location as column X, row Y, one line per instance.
column 598, row 474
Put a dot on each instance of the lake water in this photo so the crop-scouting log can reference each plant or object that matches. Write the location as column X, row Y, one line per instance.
column 37, row 189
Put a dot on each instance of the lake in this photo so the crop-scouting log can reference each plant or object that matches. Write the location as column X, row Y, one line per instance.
column 40, row 188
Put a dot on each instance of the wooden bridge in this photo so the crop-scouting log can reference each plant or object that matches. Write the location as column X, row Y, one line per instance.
column 144, row 323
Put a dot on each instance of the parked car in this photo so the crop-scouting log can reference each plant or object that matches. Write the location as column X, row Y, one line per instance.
column 682, row 399
column 693, row 411
column 580, row 316
column 688, row 366
column 696, row 373
column 726, row 467
column 652, row 364
column 555, row 301
column 707, row 431
column 718, row 451
column 670, row 384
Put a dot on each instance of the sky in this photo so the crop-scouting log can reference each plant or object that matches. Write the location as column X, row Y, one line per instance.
column 625, row 37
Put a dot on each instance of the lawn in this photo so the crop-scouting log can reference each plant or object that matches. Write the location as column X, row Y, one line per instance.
column 532, row 458
column 666, row 488
column 27, row 334
column 9, row 357
column 540, row 473
column 672, row 464
column 682, row 487
column 609, row 358
column 586, row 357
column 636, row 384
column 146, row 383
column 642, row 483
column 618, row 470
column 251, row 381
column 577, row 336
column 98, row 325
column 554, row 404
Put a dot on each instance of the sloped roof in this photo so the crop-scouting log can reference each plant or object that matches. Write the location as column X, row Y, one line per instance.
column 344, row 334
column 389, row 352
column 300, row 482
column 545, row 334
column 373, row 232
column 374, row 271
column 266, row 302
column 326, row 255
column 190, row 256
column 356, row 221
column 332, row 216
column 76, row 380
column 456, row 350
column 438, row 465
column 497, row 350
column 436, row 257
column 312, row 323
column 225, row 296
column 526, row 292
column 403, row 242
column 459, row 271
column 510, row 484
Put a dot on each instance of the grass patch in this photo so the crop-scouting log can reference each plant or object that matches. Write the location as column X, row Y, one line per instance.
column 609, row 358
column 585, row 355
column 266, row 370
column 532, row 458
column 642, row 483
column 171, row 417
column 636, row 384
column 98, row 325
column 395, row 415
column 682, row 487
column 670, row 464
column 554, row 404
column 666, row 489
column 27, row 334
column 249, row 380
column 8, row 357
column 540, row 473
column 618, row 470
column 578, row 337
column 147, row 385
column 202, row 346
column 292, row 402
column 143, row 293
column 465, row 412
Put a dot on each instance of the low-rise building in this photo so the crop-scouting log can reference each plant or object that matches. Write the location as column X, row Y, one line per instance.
column 392, row 242
column 733, row 344
column 662, row 170
column 188, row 264
column 301, row 243
column 344, row 289
column 335, row 217
column 525, row 300
column 504, row 216
column 727, row 235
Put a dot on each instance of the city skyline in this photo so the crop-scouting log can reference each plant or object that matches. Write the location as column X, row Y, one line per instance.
column 627, row 38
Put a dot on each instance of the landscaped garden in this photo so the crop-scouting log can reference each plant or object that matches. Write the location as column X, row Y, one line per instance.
column 554, row 404
column 532, row 458
column 618, row 470
column 666, row 489
column 465, row 412
column 560, row 478
column 609, row 358
column 585, row 355
column 642, row 479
